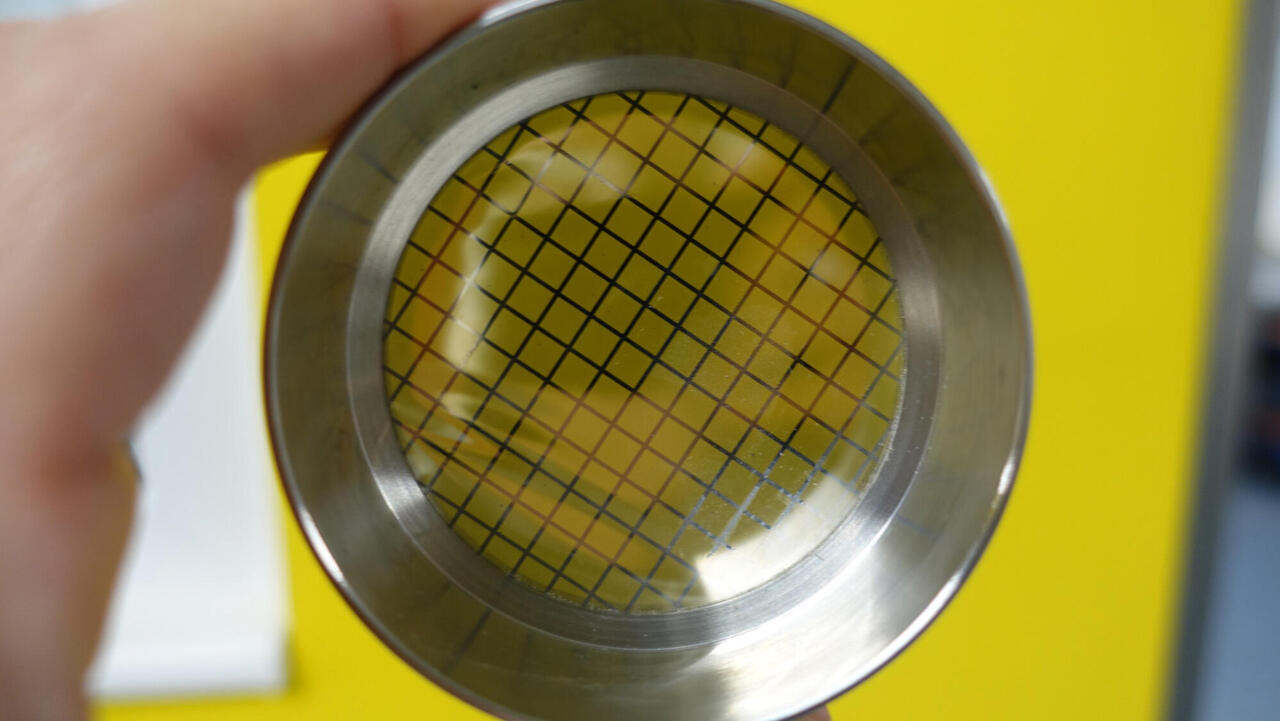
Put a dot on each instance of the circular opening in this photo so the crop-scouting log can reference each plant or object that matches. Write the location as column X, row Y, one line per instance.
column 643, row 351
column 488, row 629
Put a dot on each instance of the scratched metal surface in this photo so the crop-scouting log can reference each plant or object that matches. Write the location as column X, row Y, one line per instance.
column 869, row 540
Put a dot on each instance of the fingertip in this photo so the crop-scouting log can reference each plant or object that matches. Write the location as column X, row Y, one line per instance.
column 247, row 81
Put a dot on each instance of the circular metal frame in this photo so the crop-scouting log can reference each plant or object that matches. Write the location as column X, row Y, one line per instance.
column 373, row 282
column 870, row 586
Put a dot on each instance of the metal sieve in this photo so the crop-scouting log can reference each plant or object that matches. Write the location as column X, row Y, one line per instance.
column 641, row 360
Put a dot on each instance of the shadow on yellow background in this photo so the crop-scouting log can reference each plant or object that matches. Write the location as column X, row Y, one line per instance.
column 1102, row 125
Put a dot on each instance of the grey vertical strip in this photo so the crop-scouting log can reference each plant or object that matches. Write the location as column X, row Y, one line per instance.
column 1227, row 357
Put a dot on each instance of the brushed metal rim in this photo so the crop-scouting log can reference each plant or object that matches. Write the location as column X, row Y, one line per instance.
column 401, row 490
column 956, row 147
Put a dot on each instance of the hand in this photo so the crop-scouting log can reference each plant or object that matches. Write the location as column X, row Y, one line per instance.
column 125, row 137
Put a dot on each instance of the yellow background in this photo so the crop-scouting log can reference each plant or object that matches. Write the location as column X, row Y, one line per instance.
column 1103, row 127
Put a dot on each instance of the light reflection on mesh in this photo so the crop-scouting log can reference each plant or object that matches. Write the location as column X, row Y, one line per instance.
column 635, row 338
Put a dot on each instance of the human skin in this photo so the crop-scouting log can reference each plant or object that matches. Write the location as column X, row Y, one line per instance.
column 126, row 135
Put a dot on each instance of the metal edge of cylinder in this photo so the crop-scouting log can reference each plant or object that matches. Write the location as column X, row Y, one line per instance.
column 862, row 53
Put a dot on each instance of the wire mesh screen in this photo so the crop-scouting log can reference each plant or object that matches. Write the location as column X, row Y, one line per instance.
column 643, row 351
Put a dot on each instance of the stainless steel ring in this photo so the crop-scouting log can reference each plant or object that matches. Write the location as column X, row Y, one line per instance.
column 863, row 591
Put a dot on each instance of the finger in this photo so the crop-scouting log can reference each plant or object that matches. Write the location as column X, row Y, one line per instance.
column 139, row 124
column 60, row 544
column 117, row 179
column 253, row 80
column 818, row 714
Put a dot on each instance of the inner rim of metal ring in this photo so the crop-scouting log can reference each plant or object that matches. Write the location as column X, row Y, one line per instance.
column 643, row 351
column 398, row 485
